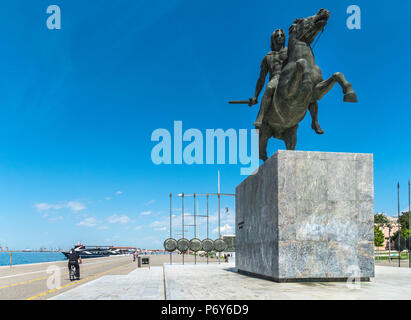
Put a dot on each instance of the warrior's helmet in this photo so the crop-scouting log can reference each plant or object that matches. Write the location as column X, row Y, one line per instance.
column 277, row 40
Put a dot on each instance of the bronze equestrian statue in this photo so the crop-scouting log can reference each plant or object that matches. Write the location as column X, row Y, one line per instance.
column 272, row 65
column 300, row 86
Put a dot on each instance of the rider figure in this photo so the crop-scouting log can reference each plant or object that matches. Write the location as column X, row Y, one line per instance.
column 272, row 64
column 75, row 260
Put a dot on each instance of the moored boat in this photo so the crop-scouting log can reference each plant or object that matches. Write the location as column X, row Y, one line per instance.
column 86, row 252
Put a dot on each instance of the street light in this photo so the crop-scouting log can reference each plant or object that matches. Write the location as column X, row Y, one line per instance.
column 409, row 224
column 389, row 242
column 399, row 228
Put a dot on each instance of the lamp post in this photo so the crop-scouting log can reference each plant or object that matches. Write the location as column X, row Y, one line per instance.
column 171, row 224
column 195, row 228
column 399, row 228
column 219, row 226
column 389, row 242
column 182, row 217
column 207, row 225
column 409, row 224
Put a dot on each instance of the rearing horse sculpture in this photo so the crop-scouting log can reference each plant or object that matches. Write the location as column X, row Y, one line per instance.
column 300, row 85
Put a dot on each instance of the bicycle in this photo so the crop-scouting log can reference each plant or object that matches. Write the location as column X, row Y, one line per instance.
column 73, row 276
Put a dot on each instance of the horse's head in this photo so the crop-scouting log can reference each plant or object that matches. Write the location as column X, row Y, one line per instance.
column 277, row 40
column 306, row 29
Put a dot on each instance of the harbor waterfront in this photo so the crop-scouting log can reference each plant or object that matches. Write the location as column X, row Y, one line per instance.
column 25, row 257
column 32, row 281
column 19, row 258
column 119, row 277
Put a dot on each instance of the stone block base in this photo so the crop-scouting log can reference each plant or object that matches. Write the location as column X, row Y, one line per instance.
column 307, row 216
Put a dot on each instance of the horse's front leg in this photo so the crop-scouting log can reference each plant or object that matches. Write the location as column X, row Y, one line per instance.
column 290, row 137
column 323, row 87
column 313, row 107
column 265, row 133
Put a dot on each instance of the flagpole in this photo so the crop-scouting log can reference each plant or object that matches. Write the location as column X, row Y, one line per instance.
column 219, row 226
column 409, row 224
column 399, row 228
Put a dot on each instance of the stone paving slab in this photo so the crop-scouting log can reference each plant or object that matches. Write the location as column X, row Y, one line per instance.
column 222, row 282
column 141, row 284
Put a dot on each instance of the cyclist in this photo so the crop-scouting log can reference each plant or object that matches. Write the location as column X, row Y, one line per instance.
column 75, row 260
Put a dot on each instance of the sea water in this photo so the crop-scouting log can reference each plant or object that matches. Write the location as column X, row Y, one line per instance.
column 30, row 257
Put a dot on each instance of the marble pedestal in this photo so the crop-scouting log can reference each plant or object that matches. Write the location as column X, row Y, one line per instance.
column 307, row 216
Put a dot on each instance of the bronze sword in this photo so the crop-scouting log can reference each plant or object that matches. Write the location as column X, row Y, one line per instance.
column 249, row 102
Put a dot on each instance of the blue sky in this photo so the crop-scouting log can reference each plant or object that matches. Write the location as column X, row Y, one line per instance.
column 78, row 106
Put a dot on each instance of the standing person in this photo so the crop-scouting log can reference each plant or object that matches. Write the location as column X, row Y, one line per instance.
column 75, row 260
column 134, row 256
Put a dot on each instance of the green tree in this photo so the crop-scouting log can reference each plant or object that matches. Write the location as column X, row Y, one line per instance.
column 404, row 220
column 404, row 223
column 404, row 234
column 378, row 236
column 380, row 219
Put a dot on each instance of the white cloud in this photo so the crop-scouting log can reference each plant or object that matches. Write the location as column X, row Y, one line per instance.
column 151, row 202
column 88, row 222
column 56, row 218
column 161, row 229
column 139, row 227
column 118, row 219
column 74, row 206
column 107, row 198
column 145, row 213
column 103, row 228
column 119, row 192
column 226, row 229
column 46, row 206
column 157, row 224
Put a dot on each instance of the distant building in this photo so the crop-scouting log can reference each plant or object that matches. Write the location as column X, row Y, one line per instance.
column 389, row 231
column 230, row 241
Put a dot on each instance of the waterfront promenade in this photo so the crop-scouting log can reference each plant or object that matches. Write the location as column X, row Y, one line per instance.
column 118, row 278
column 222, row 282
column 32, row 281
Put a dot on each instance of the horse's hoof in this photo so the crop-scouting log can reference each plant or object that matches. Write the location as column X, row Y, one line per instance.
column 350, row 97
column 317, row 128
column 319, row 131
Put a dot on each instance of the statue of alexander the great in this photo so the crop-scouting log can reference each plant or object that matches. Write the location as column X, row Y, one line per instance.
column 272, row 65
column 296, row 84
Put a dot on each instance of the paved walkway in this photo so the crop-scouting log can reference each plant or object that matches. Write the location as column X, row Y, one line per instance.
column 42, row 281
column 141, row 284
column 222, row 282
